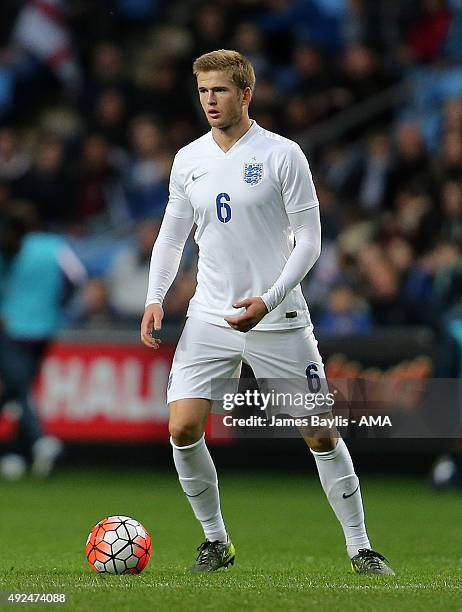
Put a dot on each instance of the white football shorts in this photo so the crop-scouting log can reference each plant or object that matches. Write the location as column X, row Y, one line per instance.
column 283, row 362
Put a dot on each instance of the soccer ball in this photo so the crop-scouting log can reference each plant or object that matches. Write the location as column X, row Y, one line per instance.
column 118, row 545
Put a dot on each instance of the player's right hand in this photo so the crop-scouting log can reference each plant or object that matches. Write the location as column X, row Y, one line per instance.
column 150, row 323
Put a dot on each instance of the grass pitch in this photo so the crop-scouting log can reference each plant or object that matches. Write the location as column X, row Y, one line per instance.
column 290, row 552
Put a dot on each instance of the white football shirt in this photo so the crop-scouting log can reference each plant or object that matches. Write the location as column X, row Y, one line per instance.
column 240, row 202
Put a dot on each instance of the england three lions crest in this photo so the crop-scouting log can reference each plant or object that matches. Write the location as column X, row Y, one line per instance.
column 253, row 173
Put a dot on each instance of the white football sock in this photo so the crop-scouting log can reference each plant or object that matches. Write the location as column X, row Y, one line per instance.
column 341, row 486
column 198, row 479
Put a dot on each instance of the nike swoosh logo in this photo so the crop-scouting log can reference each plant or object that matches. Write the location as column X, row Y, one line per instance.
column 194, row 178
column 345, row 496
column 197, row 493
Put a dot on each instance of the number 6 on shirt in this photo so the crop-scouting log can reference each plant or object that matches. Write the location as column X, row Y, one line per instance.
column 223, row 207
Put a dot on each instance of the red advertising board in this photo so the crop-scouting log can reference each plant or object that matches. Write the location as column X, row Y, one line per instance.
column 103, row 392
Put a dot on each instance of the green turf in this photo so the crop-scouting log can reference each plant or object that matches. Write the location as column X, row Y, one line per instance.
column 290, row 554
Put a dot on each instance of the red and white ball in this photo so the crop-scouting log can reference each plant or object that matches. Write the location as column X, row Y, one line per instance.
column 118, row 545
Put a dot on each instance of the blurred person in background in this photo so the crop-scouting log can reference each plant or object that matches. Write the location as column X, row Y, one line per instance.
column 416, row 281
column 210, row 26
column 326, row 273
column 180, row 132
column 283, row 21
column 36, row 55
column 267, row 103
column 299, row 115
column 249, row 40
column 160, row 88
column 96, row 177
column 452, row 116
column 447, row 470
column 428, row 31
column 451, row 209
column 370, row 180
column 14, row 160
column 335, row 166
column 388, row 303
column 307, row 73
column 109, row 116
column 91, row 307
column 146, row 179
column 448, row 274
column 361, row 77
column 41, row 30
column 331, row 210
column 47, row 183
column 177, row 301
column 448, row 163
column 37, row 271
column 411, row 164
column 106, row 71
column 414, row 218
column 127, row 278
column 346, row 313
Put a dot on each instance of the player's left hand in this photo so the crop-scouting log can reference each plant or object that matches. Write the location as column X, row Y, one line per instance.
column 255, row 310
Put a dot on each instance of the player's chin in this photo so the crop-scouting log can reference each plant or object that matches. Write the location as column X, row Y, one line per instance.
column 217, row 122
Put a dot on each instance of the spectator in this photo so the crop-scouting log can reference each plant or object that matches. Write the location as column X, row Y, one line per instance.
column 36, row 270
column 210, row 28
column 345, row 314
column 14, row 161
column 336, row 165
column 363, row 75
column 429, row 31
column 416, row 282
column 451, row 207
column 178, row 298
column 307, row 72
column 452, row 116
column 448, row 274
column 47, row 183
column 371, row 179
column 331, row 211
column 127, row 279
column 91, row 308
column 41, row 30
column 249, row 42
column 411, row 164
column 110, row 115
column 299, row 115
column 95, row 176
column 267, row 108
column 146, row 181
column 448, row 165
column 106, row 72
column 159, row 89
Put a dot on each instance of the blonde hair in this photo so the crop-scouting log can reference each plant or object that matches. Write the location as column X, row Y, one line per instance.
column 233, row 63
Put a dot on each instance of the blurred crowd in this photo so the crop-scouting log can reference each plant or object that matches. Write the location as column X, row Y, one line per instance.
column 96, row 98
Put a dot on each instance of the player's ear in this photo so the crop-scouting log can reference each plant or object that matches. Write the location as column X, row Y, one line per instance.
column 246, row 96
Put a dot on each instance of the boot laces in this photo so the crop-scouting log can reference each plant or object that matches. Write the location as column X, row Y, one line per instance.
column 371, row 558
column 207, row 550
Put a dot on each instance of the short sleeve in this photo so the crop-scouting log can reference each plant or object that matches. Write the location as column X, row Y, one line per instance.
column 298, row 191
column 178, row 204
